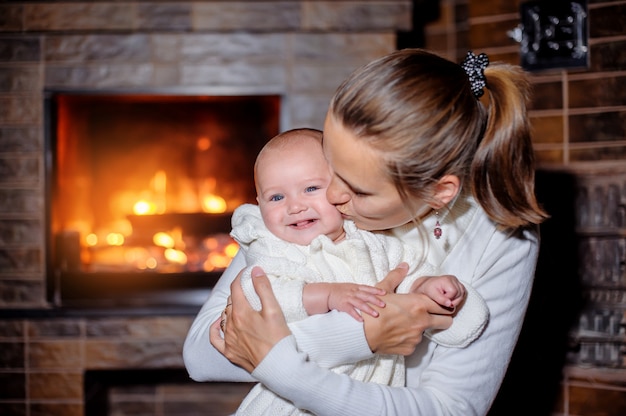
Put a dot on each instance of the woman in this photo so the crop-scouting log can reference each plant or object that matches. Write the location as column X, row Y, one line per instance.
column 413, row 150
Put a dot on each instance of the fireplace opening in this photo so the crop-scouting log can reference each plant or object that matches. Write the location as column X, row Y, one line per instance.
column 141, row 188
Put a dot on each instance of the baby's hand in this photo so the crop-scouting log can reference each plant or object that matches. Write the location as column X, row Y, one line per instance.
column 352, row 298
column 446, row 290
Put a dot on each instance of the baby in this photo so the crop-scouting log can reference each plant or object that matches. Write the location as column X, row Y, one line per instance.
column 318, row 262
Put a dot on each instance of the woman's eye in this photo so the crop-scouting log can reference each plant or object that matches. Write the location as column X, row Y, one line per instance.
column 275, row 198
column 311, row 189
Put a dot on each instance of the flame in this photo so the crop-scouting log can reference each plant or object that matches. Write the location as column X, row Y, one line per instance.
column 216, row 261
column 151, row 263
column 175, row 256
column 231, row 249
column 115, row 239
column 203, row 144
column 114, row 242
column 144, row 207
column 91, row 240
column 213, row 204
column 159, row 186
column 153, row 200
column 163, row 240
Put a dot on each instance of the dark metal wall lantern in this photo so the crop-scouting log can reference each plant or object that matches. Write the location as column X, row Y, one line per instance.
column 553, row 35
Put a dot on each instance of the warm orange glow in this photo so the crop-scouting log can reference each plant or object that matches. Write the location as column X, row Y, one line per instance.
column 151, row 263
column 231, row 249
column 163, row 240
column 177, row 236
column 217, row 261
column 138, row 257
column 214, row 204
column 158, row 168
column 203, row 144
column 115, row 239
column 175, row 256
column 207, row 266
column 159, row 185
column 91, row 240
column 122, row 226
column 211, row 243
column 144, row 208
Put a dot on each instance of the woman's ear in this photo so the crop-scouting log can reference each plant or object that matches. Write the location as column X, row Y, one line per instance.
column 446, row 189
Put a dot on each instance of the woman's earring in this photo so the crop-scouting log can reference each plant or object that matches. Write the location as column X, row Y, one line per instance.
column 437, row 231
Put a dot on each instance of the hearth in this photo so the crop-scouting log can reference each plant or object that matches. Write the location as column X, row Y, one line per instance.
column 140, row 190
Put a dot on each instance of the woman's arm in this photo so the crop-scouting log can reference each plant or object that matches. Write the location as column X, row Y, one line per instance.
column 202, row 361
column 441, row 381
column 329, row 339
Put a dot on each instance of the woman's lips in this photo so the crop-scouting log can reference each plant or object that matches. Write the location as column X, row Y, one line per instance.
column 344, row 214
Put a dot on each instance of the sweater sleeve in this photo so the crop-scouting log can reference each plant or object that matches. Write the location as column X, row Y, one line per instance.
column 202, row 361
column 448, row 381
column 331, row 339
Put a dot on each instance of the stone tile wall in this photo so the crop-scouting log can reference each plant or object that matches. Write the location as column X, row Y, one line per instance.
column 43, row 363
column 300, row 50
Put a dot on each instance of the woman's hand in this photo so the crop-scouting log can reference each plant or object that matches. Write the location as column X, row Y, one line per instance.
column 400, row 324
column 249, row 335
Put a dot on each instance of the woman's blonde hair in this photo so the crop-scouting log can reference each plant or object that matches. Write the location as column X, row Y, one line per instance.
column 418, row 110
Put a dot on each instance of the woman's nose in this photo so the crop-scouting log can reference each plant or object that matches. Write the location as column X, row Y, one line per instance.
column 336, row 193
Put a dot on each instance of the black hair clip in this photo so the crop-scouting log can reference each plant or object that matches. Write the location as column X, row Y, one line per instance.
column 475, row 66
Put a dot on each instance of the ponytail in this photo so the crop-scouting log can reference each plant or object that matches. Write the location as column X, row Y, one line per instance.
column 421, row 112
column 502, row 175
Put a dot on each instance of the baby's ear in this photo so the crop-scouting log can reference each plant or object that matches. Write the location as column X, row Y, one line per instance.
column 446, row 189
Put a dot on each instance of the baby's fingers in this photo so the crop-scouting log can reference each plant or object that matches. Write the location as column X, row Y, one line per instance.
column 366, row 297
column 373, row 290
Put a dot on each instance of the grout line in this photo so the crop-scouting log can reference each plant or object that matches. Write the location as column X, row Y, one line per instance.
column 566, row 397
column 565, row 92
column 604, row 4
column 596, row 75
column 25, row 328
column 504, row 17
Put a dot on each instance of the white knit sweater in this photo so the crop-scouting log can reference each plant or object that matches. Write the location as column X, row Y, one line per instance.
column 439, row 380
column 362, row 257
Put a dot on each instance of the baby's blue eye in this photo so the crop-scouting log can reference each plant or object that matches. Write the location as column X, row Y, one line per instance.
column 276, row 198
column 311, row 188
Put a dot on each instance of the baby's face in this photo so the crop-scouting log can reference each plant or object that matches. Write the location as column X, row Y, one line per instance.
column 291, row 187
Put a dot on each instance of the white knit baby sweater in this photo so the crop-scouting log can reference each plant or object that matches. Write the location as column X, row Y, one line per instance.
column 362, row 257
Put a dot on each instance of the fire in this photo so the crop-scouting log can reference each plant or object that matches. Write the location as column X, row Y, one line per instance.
column 91, row 239
column 154, row 200
column 203, row 144
column 231, row 249
column 163, row 239
column 115, row 239
column 175, row 256
column 214, row 204
column 117, row 244
column 144, row 208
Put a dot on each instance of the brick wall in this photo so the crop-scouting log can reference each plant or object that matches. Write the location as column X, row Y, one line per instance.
column 579, row 121
column 577, row 115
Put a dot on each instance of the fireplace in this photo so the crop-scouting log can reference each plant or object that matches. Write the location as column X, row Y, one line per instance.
column 141, row 187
